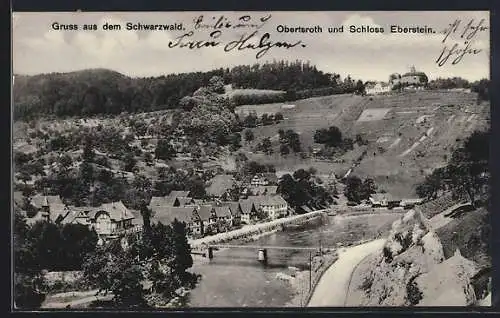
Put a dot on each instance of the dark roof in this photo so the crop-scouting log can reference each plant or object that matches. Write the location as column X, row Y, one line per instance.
column 17, row 198
column 222, row 211
column 178, row 194
column 268, row 200
column 261, row 190
column 117, row 211
column 414, row 74
column 137, row 217
column 74, row 215
column 205, row 212
column 185, row 201
column 161, row 201
column 39, row 201
column 234, row 207
column 167, row 214
column 383, row 197
column 246, row 206
column 219, row 184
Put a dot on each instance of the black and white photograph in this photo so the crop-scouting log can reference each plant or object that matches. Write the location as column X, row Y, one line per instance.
column 262, row 159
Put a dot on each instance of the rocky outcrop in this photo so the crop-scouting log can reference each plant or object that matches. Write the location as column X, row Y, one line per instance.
column 412, row 270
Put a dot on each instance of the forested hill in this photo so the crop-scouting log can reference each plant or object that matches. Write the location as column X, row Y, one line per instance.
column 102, row 91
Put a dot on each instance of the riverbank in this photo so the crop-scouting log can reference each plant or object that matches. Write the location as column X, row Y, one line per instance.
column 304, row 282
column 339, row 275
column 255, row 230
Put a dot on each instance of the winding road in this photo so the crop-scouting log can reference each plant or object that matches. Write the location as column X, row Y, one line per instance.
column 331, row 290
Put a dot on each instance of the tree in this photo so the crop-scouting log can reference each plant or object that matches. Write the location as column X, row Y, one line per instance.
column 331, row 137
column 278, row 117
column 88, row 150
column 284, row 150
column 182, row 259
column 216, row 84
column 235, row 141
column 129, row 162
column 118, row 273
column 250, row 121
column 353, row 189
column 197, row 188
column 466, row 174
column 164, row 150
column 367, row 189
column 266, row 146
column 281, row 136
column 432, row 185
column 249, row 135
column 293, row 140
column 29, row 283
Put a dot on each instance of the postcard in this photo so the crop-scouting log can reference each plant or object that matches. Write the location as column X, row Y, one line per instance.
column 173, row 160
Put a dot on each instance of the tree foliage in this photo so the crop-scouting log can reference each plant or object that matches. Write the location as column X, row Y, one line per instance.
column 101, row 91
column 301, row 189
column 466, row 174
column 357, row 190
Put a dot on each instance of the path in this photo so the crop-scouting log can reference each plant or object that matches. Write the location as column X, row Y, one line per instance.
column 332, row 288
column 76, row 302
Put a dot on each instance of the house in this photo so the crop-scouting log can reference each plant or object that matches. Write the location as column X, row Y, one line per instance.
column 384, row 200
column 174, row 198
column 274, row 206
column 264, row 179
column 220, row 185
column 224, row 216
column 377, row 88
column 75, row 215
column 176, row 206
column 248, row 210
column 110, row 219
column 208, row 218
column 49, row 207
column 235, row 209
column 187, row 214
column 137, row 221
column 410, row 203
column 316, row 148
column 413, row 77
column 264, row 190
column 180, row 201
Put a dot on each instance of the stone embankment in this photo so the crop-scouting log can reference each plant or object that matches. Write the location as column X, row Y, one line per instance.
column 255, row 229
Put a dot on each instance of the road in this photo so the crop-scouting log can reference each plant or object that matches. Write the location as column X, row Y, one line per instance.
column 331, row 290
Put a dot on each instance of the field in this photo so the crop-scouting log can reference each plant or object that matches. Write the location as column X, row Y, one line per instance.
column 408, row 134
column 413, row 134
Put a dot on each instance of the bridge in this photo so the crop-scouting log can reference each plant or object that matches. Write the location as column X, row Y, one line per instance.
column 262, row 249
column 259, row 247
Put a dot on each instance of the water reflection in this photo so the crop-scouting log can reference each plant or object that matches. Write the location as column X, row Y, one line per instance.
column 235, row 278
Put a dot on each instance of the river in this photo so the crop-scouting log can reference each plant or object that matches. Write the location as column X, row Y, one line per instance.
column 234, row 277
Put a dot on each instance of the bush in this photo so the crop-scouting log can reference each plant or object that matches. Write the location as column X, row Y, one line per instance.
column 367, row 283
column 413, row 294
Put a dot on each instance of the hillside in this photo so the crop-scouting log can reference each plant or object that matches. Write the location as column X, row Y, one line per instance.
column 409, row 133
column 103, row 91
column 419, row 266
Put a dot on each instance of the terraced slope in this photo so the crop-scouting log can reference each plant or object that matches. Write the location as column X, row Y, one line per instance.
column 410, row 133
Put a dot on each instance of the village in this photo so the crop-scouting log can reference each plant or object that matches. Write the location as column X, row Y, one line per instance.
column 160, row 199
column 260, row 202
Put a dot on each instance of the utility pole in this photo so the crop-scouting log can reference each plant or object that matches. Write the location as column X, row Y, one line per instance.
column 310, row 271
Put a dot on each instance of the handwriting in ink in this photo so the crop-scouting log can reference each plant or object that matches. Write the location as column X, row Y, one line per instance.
column 263, row 45
column 457, row 51
column 222, row 22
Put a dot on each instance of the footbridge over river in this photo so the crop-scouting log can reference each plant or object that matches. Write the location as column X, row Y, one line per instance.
column 262, row 249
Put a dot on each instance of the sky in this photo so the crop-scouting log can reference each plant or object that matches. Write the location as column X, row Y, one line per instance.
column 37, row 48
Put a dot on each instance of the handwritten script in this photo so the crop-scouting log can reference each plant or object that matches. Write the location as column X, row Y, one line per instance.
column 251, row 39
column 458, row 41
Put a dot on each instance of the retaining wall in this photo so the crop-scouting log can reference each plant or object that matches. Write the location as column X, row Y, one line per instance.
column 256, row 229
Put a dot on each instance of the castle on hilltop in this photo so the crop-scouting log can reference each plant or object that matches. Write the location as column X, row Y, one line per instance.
column 411, row 80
